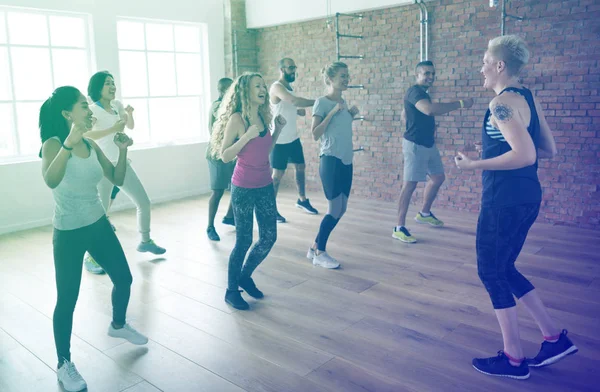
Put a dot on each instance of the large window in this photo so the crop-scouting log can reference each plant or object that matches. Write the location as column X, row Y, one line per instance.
column 162, row 68
column 39, row 51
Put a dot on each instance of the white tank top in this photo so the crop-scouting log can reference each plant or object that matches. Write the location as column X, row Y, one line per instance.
column 289, row 133
column 77, row 201
column 105, row 120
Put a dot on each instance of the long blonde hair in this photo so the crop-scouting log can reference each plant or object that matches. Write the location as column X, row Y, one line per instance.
column 236, row 100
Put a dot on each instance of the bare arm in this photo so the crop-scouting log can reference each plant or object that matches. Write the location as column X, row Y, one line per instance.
column 510, row 123
column 115, row 174
column 54, row 162
column 95, row 135
column 280, row 92
column 320, row 124
column 429, row 108
column 547, row 145
column 235, row 129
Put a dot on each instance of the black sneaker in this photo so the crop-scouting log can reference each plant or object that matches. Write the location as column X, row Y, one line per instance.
column 553, row 352
column 228, row 221
column 305, row 205
column 212, row 234
column 249, row 286
column 500, row 367
column 234, row 298
column 280, row 219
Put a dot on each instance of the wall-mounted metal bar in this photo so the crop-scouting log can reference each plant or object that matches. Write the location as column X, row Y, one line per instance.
column 504, row 16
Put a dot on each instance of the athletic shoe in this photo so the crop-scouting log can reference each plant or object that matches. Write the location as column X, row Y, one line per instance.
column 212, row 234
column 70, row 378
column 228, row 221
column 127, row 333
column 553, row 352
column 310, row 254
column 150, row 246
column 306, row 206
column 430, row 220
column 403, row 235
column 90, row 264
column 234, row 298
column 324, row 260
column 280, row 219
column 250, row 287
column 500, row 366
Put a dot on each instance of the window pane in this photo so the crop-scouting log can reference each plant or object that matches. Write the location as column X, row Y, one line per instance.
column 7, row 146
column 134, row 81
column 5, row 91
column 2, row 29
column 27, row 29
column 31, row 73
column 175, row 118
column 159, row 36
column 27, row 127
column 161, row 70
column 187, row 39
column 67, row 31
column 189, row 74
column 130, row 35
column 71, row 68
column 140, row 133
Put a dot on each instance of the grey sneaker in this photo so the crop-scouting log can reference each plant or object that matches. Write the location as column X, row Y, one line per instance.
column 70, row 378
column 128, row 333
column 151, row 247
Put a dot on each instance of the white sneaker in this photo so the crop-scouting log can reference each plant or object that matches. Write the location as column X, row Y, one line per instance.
column 325, row 261
column 310, row 254
column 70, row 378
column 128, row 333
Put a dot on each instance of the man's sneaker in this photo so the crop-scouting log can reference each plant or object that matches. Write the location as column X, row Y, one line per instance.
column 234, row 298
column 429, row 219
column 212, row 234
column 228, row 221
column 127, row 333
column 90, row 264
column 310, row 254
column 250, row 287
column 150, row 246
column 324, row 260
column 553, row 352
column 280, row 219
column 306, row 206
column 403, row 235
column 70, row 378
column 500, row 366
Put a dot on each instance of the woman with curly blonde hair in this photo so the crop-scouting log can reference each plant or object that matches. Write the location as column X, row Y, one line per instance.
column 242, row 131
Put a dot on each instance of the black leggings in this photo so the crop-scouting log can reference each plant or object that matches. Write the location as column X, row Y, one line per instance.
column 246, row 202
column 102, row 244
column 501, row 233
column 337, row 183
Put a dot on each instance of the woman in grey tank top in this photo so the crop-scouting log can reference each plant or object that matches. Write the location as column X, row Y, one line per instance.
column 72, row 166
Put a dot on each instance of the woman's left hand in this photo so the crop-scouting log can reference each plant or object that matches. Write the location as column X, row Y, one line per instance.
column 122, row 140
column 280, row 122
column 129, row 109
column 463, row 162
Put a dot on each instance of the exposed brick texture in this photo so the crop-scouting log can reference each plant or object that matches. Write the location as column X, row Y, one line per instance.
column 563, row 71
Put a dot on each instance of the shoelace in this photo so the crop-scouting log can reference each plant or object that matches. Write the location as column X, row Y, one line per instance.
column 72, row 371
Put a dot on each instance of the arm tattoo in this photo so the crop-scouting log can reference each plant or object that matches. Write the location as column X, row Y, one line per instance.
column 502, row 112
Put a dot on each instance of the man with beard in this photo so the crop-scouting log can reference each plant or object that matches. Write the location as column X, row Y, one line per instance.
column 288, row 148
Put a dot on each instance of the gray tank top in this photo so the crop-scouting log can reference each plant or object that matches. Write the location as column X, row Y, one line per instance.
column 77, row 201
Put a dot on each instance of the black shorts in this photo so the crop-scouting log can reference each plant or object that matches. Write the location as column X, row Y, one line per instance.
column 220, row 174
column 335, row 177
column 284, row 153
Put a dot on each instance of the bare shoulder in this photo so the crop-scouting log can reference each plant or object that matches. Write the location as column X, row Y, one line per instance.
column 504, row 107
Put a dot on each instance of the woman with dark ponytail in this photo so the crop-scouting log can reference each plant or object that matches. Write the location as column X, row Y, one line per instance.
column 72, row 166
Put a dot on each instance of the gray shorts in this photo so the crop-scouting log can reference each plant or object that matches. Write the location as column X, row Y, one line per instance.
column 419, row 161
column 220, row 174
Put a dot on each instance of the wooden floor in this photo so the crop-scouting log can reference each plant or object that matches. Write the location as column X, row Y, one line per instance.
column 395, row 317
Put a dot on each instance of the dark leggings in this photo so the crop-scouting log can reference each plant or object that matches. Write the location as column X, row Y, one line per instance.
column 501, row 233
column 246, row 202
column 69, row 247
column 337, row 183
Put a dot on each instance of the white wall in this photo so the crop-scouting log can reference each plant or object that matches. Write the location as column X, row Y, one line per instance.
column 264, row 13
column 168, row 172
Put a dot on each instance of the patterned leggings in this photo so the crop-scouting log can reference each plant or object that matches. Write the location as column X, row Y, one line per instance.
column 246, row 202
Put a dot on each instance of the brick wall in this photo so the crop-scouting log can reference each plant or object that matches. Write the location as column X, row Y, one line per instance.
column 240, row 42
column 565, row 45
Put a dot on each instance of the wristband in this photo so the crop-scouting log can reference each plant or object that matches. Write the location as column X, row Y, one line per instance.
column 67, row 148
column 462, row 104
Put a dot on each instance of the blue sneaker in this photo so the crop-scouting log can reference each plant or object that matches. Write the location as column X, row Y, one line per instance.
column 500, row 366
column 151, row 247
column 306, row 206
column 553, row 352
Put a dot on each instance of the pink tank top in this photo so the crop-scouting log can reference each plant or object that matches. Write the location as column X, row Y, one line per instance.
column 253, row 169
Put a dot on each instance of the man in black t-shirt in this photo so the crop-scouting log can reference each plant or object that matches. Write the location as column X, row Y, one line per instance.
column 421, row 156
